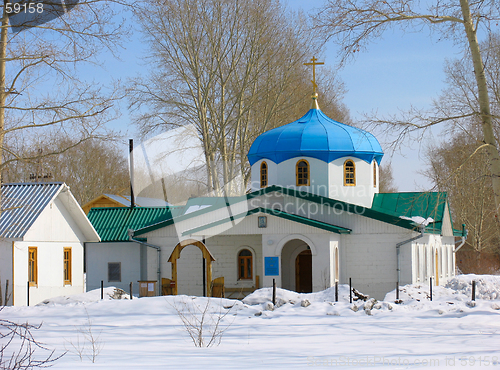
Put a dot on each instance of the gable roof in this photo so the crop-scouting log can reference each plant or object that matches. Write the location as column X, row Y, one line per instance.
column 113, row 223
column 22, row 204
column 277, row 213
column 377, row 214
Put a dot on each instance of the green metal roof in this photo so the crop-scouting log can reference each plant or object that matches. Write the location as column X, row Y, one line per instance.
column 277, row 213
column 425, row 204
column 113, row 223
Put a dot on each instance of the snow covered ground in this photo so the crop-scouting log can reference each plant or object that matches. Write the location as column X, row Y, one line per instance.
column 303, row 331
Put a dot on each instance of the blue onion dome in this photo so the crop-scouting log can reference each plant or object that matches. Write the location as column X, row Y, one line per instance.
column 318, row 136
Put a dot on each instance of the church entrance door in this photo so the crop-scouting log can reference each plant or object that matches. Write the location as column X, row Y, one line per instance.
column 303, row 272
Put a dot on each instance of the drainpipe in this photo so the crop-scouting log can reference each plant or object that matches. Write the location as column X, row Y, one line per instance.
column 465, row 232
column 398, row 251
column 158, row 249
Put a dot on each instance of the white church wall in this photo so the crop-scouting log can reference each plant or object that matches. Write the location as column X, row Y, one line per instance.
column 272, row 174
column 318, row 175
column 362, row 192
column 50, row 266
column 6, row 269
column 424, row 259
column 370, row 261
column 225, row 250
column 447, row 227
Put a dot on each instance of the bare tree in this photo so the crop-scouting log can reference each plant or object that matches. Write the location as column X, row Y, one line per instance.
column 233, row 69
column 205, row 324
column 19, row 350
column 90, row 168
column 353, row 24
column 462, row 171
column 42, row 87
column 386, row 183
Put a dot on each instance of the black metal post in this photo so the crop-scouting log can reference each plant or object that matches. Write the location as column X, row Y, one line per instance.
column 430, row 287
column 102, row 289
column 473, row 290
column 131, row 158
column 350, row 290
column 397, row 291
column 274, row 291
column 336, row 291
column 131, row 297
column 7, row 292
column 28, row 295
column 204, row 273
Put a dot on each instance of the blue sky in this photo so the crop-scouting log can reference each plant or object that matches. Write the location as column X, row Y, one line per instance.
column 395, row 72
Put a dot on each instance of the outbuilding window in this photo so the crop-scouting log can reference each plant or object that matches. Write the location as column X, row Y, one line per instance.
column 263, row 175
column 302, row 173
column 245, row 264
column 67, row 266
column 33, row 266
column 114, row 272
column 349, row 173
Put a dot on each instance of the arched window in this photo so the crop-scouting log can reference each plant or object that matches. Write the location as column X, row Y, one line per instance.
column 349, row 173
column 302, row 173
column 245, row 264
column 263, row 174
column 374, row 174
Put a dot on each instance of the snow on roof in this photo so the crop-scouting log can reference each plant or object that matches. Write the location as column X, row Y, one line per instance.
column 419, row 220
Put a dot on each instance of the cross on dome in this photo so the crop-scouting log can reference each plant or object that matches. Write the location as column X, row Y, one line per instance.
column 314, row 64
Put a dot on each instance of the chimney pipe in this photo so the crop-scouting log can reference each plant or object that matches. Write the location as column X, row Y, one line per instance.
column 131, row 156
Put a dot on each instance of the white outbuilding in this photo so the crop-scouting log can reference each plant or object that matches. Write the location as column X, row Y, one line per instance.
column 43, row 230
column 314, row 217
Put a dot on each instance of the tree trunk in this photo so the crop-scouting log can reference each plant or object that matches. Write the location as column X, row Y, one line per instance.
column 3, row 92
column 484, row 104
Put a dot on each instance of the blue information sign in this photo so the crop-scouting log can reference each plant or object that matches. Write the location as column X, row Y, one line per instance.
column 272, row 267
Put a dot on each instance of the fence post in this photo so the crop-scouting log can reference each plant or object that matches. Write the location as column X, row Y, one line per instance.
column 473, row 290
column 350, row 290
column 336, row 291
column 102, row 289
column 397, row 291
column 7, row 292
column 131, row 291
column 28, row 295
column 274, row 292
column 430, row 286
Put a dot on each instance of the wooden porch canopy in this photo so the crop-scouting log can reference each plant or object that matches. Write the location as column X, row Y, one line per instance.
column 176, row 253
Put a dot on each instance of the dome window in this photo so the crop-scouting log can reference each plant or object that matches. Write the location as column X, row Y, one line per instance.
column 263, row 175
column 349, row 173
column 302, row 173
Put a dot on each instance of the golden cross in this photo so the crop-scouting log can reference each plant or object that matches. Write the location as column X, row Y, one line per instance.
column 314, row 64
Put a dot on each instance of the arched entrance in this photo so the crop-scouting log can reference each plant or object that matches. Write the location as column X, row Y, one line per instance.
column 296, row 266
column 303, row 272
column 176, row 253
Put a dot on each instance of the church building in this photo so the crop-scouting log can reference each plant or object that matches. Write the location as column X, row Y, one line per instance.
column 314, row 217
